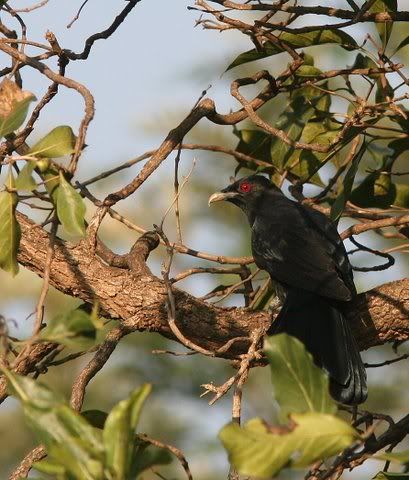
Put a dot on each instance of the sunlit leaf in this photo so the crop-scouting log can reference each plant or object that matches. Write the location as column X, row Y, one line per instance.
column 299, row 385
column 384, row 29
column 307, row 71
column 70, row 208
column 306, row 162
column 73, row 329
column 10, row 232
column 25, row 180
column 260, row 450
column 399, row 457
column 119, row 432
column 299, row 40
column 51, row 468
column 50, row 176
column 31, row 392
column 338, row 206
column 14, row 104
column 292, row 121
column 57, row 143
column 70, row 441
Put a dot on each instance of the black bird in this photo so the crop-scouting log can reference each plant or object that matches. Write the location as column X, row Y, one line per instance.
column 303, row 253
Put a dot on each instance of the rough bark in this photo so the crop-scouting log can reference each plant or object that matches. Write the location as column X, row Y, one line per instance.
column 137, row 298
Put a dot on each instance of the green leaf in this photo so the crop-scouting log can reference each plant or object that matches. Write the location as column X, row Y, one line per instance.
column 402, row 44
column 25, row 180
column 70, row 208
column 391, row 476
column 378, row 191
column 10, row 232
column 119, row 432
column 57, row 143
column 73, row 329
column 338, row 206
column 50, row 176
column 307, row 71
column 384, row 29
column 299, row 40
column 299, row 385
column 399, row 146
column 96, row 418
column 69, row 440
column 306, row 161
column 254, row 143
column 400, row 457
column 51, row 468
column 147, row 457
column 292, row 121
column 261, row 451
column 31, row 392
column 14, row 104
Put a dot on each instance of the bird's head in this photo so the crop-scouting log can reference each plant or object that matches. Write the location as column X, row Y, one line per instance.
column 245, row 193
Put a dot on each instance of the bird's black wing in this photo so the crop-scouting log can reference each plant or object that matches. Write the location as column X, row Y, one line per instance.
column 301, row 249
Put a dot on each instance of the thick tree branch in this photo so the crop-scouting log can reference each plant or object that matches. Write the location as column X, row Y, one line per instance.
column 138, row 298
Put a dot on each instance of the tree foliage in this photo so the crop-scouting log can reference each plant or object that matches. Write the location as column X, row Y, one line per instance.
column 337, row 137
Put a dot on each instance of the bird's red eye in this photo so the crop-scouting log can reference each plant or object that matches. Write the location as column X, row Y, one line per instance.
column 245, row 187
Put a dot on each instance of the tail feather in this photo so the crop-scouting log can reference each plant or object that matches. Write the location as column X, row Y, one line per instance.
column 322, row 327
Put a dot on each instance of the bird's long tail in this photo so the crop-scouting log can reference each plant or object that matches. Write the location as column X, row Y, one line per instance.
column 321, row 325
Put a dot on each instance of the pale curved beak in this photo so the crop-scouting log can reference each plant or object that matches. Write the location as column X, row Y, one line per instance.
column 221, row 196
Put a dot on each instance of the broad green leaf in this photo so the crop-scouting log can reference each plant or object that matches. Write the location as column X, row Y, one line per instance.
column 254, row 143
column 119, row 432
column 338, row 206
column 50, row 176
column 31, row 392
column 10, row 232
column 70, row 208
column 299, row 385
column 402, row 44
column 391, row 476
column 399, row 146
column 400, row 457
column 292, row 121
column 402, row 195
column 57, row 143
column 307, row 71
column 14, row 104
column 69, row 440
column 51, row 468
column 377, row 191
column 77, row 461
column 382, row 155
column 306, row 161
column 299, row 40
column 96, row 418
column 262, row 451
column 73, row 329
column 25, row 180
column 384, row 29
column 147, row 457
column 319, row 100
